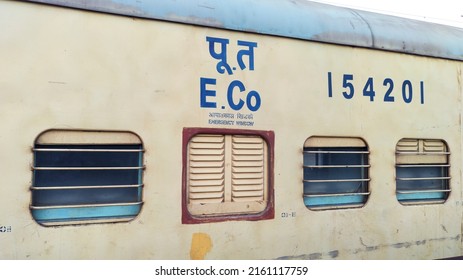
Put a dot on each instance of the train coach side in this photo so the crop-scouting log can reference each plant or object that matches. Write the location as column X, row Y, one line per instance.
column 152, row 131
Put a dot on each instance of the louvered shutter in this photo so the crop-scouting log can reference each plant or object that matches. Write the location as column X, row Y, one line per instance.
column 226, row 174
column 207, row 175
column 248, row 169
column 421, row 151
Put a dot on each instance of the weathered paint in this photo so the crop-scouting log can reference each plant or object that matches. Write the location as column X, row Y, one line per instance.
column 295, row 19
column 201, row 244
column 71, row 69
column 411, row 246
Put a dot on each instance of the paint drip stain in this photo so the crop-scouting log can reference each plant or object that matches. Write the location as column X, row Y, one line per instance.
column 201, row 244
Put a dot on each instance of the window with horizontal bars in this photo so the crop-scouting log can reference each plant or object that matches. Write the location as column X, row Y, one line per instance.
column 335, row 173
column 226, row 174
column 86, row 177
column 422, row 171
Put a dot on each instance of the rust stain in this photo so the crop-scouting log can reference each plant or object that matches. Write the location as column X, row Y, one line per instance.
column 201, row 244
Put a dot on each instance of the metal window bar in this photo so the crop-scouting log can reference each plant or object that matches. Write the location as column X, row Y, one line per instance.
column 337, row 180
column 422, row 191
column 88, row 150
column 421, row 165
column 423, row 178
column 337, row 194
column 85, row 205
column 422, row 153
column 85, row 187
column 337, row 166
column 87, row 168
column 336, row 207
column 336, row 152
column 423, row 202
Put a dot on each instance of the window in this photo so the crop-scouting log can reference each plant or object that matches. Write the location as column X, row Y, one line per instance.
column 227, row 175
column 86, row 177
column 422, row 171
column 335, row 173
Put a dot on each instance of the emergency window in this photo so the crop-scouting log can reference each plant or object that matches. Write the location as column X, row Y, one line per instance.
column 335, row 173
column 86, row 177
column 226, row 174
column 422, row 171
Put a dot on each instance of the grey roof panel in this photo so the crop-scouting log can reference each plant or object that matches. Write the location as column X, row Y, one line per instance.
column 294, row 19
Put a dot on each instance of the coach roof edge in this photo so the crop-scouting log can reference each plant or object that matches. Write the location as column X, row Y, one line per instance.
column 295, row 19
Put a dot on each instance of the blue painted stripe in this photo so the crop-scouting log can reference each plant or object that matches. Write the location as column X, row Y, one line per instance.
column 295, row 19
column 85, row 213
column 421, row 196
column 334, row 200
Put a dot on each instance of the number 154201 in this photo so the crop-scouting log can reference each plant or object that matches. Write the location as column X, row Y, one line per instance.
column 385, row 90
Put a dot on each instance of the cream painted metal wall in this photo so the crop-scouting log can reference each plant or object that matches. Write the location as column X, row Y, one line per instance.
column 63, row 68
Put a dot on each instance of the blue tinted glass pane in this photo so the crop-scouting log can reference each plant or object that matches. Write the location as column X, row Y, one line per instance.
column 83, row 159
column 84, row 196
column 429, row 172
column 88, row 158
column 334, row 158
column 334, row 187
column 335, row 168
column 333, row 173
column 421, row 172
column 340, row 172
column 58, row 178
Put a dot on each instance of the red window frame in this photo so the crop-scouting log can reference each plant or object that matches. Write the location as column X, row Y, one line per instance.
column 266, row 214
